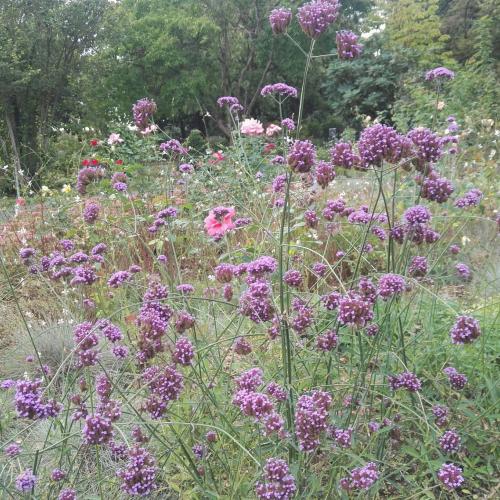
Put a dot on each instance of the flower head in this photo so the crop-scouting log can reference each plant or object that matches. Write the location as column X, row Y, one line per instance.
column 251, row 127
column 219, row 221
column 347, row 45
column 280, row 19
column 315, row 17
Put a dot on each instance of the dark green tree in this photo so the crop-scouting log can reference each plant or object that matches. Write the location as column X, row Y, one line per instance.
column 44, row 43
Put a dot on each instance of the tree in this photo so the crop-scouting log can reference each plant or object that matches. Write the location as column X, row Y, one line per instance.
column 43, row 44
column 414, row 26
column 366, row 86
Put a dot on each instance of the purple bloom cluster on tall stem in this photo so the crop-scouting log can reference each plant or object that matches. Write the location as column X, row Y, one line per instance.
column 143, row 110
column 311, row 419
column 139, row 475
column 279, row 484
column 361, row 478
column 315, row 17
column 347, row 45
column 280, row 19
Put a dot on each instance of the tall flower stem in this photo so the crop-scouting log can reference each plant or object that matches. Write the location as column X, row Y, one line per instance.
column 304, row 83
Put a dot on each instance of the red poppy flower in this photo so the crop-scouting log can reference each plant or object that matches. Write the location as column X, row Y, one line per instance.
column 119, row 162
column 94, row 142
column 94, row 162
column 85, row 163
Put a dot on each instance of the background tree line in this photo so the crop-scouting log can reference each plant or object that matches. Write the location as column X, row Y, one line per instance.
column 84, row 62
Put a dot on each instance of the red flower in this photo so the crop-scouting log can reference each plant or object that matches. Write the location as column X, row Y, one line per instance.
column 269, row 147
column 85, row 163
column 94, row 142
column 119, row 162
column 20, row 202
column 94, row 162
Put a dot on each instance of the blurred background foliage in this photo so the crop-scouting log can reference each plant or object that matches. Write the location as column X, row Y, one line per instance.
column 71, row 65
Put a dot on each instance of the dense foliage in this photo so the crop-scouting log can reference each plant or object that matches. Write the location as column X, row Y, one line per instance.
column 64, row 64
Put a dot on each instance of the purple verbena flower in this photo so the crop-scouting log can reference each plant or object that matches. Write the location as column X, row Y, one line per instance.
column 347, row 45
column 280, row 19
column 451, row 476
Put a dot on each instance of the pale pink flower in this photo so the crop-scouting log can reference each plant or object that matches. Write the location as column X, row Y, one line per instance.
column 114, row 139
column 272, row 130
column 150, row 130
column 219, row 220
column 251, row 127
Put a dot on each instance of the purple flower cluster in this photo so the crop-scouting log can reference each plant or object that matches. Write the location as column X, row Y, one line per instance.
column 302, row 156
column 174, row 147
column 29, row 403
column 381, row 142
column 354, row 310
column 293, row 278
column 324, row 173
column 311, row 218
column 184, row 321
column 463, row 271
column 118, row 278
column 456, row 380
column 142, row 111
column 57, row 475
column 288, row 123
column 184, row 352
column 327, row 341
column 418, row 266
column 98, row 429
column 439, row 73
column 280, row 19
column 279, row 183
column 450, row 441
column 83, row 275
column 279, row 483
column 436, row 188
column 304, row 316
column 405, row 380
column 342, row 155
column 333, row 207
column 153, row 321
column 279, row 88
column 12, row 450
column 139, row 475
column 347, row 45
column 165, row 385
column 86, row 175
column 86, row 339
column 261, row 266
column 277, row 392
column 465, row 330
column 451, row 476
column 427, row 145
column 255, row 302
column 311, row 416
column 242, row 347
column 361, row 478
column 91, row 212
column 471, row 199
column 390, row 285
column 67, row 494
column 417, row 214
column 26, row 481
column 343, row 437
column 441, row 414
column 315, row 17
column 228, row 101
